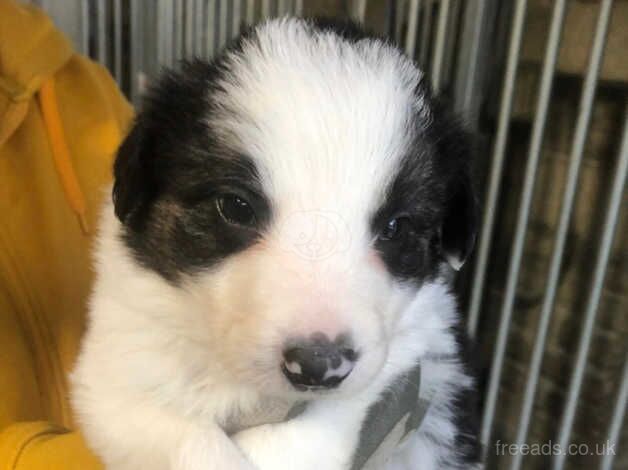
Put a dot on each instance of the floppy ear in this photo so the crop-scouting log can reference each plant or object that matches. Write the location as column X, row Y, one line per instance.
column 459, row 229
column 134, row 183
column 455, row 146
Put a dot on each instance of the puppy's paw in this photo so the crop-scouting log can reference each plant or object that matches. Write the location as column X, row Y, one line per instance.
column 209, row 451
column 292, row 446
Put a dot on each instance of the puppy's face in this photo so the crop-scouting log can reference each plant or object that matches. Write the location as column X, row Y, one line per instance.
column 300, row 191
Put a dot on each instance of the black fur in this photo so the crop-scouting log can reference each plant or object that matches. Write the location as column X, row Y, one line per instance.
column 169, row 172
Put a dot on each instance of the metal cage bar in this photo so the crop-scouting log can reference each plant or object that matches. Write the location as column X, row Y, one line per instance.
column 250, row 12
column 236, row 17
column 84, row 46
column 547, row 76
column 360, row 10
column 163, row 38
column 199, row 27
column 266, row 8
column 495, row 177
column 577, row 150
column 469, row 76
column 178, row 30
column 210, row 38
column 101, row 32
column 449, row 54
column 283, row 7
column 411, row 32
column 136, row 51
column 617, row 419
column 426, row 34
column 222, row 23
column 189, row 29
column 439, row 46
column 117, row 40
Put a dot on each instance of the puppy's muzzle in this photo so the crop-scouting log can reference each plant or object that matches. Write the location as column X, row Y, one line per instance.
column 317, row 363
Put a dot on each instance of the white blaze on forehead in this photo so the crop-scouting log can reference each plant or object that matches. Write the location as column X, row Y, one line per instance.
column 325, row 120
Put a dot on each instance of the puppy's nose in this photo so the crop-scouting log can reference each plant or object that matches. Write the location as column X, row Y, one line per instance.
column 317, row 362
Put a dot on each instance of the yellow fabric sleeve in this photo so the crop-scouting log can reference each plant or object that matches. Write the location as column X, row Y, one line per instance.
column 41, row 445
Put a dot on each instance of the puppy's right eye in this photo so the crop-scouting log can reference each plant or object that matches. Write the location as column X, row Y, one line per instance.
column 235, row 210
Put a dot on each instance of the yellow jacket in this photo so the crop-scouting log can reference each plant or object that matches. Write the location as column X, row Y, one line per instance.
column 61, row 120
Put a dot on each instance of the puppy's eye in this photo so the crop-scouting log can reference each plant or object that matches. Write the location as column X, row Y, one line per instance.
column 235, row 210
column 392, row 228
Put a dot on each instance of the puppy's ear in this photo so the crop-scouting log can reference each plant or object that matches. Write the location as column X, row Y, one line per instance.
column 460, row 222
column 459, row 229
column 134, row 184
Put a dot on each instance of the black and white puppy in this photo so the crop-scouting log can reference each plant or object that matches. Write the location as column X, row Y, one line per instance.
column 284, row 222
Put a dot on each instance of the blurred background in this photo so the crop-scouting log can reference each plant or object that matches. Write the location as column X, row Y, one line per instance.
column 543, row 85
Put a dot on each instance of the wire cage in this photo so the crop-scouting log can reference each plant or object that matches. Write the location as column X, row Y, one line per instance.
column 543, row 83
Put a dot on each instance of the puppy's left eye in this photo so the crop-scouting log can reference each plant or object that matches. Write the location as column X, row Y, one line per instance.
column 392, row 228
column 235, row 210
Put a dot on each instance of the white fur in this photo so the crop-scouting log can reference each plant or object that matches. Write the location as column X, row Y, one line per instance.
column 165, row 368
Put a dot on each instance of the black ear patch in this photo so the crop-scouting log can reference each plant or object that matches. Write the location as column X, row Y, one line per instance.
column 459, row 229
column 134, row 183
column 170, row 173
column 432, row 200
column 169, row 124
column 460, row 209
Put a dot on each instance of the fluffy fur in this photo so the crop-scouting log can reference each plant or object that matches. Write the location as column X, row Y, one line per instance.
column 359, row 185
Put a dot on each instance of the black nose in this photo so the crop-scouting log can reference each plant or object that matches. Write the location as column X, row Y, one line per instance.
column 317, row 362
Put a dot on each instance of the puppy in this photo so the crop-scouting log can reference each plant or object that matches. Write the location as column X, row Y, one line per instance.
column 283, row 225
